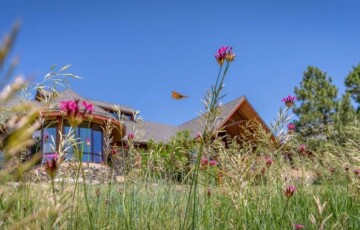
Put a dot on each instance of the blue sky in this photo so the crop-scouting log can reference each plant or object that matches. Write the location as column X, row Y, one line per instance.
column 135, row 53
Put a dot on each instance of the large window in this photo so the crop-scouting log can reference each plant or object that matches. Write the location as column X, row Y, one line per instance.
column 89, row 140
column 48, row 143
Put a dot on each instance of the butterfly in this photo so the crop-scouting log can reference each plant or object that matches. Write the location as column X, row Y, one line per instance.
column 177, row 96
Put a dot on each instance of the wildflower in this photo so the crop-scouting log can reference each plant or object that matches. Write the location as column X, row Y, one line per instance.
column 46, row 137
column 204, row 161
column 289, row 191
column 51, row 168
column 88, row 107
column 289, row 100
column 357, row 172
column 87, row 141
column 72, row 110
column 198, row 137
column 302, row 148
column 230, row 56
column 291, row 127
column 225, row 53
column 298, row 226
column 213, row 163
column 131, row 136
column 268, row 161
column 113, row 151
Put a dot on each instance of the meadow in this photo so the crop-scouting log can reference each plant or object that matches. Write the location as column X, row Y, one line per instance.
column 258, row 180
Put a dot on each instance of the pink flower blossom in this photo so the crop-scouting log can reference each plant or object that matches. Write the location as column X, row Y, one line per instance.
column 204, row 161
column 225, row 53
column 302, row 148
column 291, row 127
column 289, row 191
column 87, row 141
column 46, row 137
column 88, row 107
column 72, row 110
column 113, row 151
column 131, row 136
column 289, row 100
column 51, row 168
column 213, row 163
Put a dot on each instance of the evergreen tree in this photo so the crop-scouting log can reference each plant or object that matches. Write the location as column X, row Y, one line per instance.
column 345, row 112
column 317, row 97
column 352, row 81
column 344, row 118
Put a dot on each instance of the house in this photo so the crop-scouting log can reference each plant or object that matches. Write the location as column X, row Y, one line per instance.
column 231, row 123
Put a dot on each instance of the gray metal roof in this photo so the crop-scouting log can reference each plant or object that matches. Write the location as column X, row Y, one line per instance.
column 110, row 106
column 151, row 130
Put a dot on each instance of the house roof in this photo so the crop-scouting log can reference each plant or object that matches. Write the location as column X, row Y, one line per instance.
column 157, row 131
column 69, row 94
column 110, row 106
column 152, row 130
column 197, row 124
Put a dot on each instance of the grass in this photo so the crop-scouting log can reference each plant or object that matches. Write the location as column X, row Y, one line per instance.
column 162, row 206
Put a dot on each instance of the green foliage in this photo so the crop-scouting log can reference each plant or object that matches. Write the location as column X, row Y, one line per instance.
column 170, row 160
column 352, row 82
column 317, row 97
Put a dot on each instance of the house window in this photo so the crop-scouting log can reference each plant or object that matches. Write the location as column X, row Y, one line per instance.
column 90, row 140
column 49, row 143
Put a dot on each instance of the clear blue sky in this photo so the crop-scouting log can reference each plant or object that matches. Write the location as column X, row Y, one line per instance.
column 135, row 53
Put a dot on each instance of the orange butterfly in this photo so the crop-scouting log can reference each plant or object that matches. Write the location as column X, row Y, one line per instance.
column 177, row 96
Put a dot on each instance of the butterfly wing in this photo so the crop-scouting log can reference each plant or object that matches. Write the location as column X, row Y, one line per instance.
column 177, row 96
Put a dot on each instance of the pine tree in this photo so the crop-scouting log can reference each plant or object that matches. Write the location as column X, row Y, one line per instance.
column 317, row 97
column 344, row 118
column 352, row 81
column 345, row 112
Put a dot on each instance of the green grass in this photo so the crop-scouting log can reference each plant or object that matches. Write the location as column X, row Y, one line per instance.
column 162, row 206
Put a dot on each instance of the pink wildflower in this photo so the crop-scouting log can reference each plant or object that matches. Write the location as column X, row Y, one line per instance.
column 72, row 110
column 289, row 100
column 88, row 107
column 302, row 148
column 213, row 163
column 46, row 137
column 289, row 191
column 298, row 226
column 113, row 151
column 51, row 168
column 204, row 161
column 87, row 141
column 224, row 53
column 291, row 127
column 131, row 136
